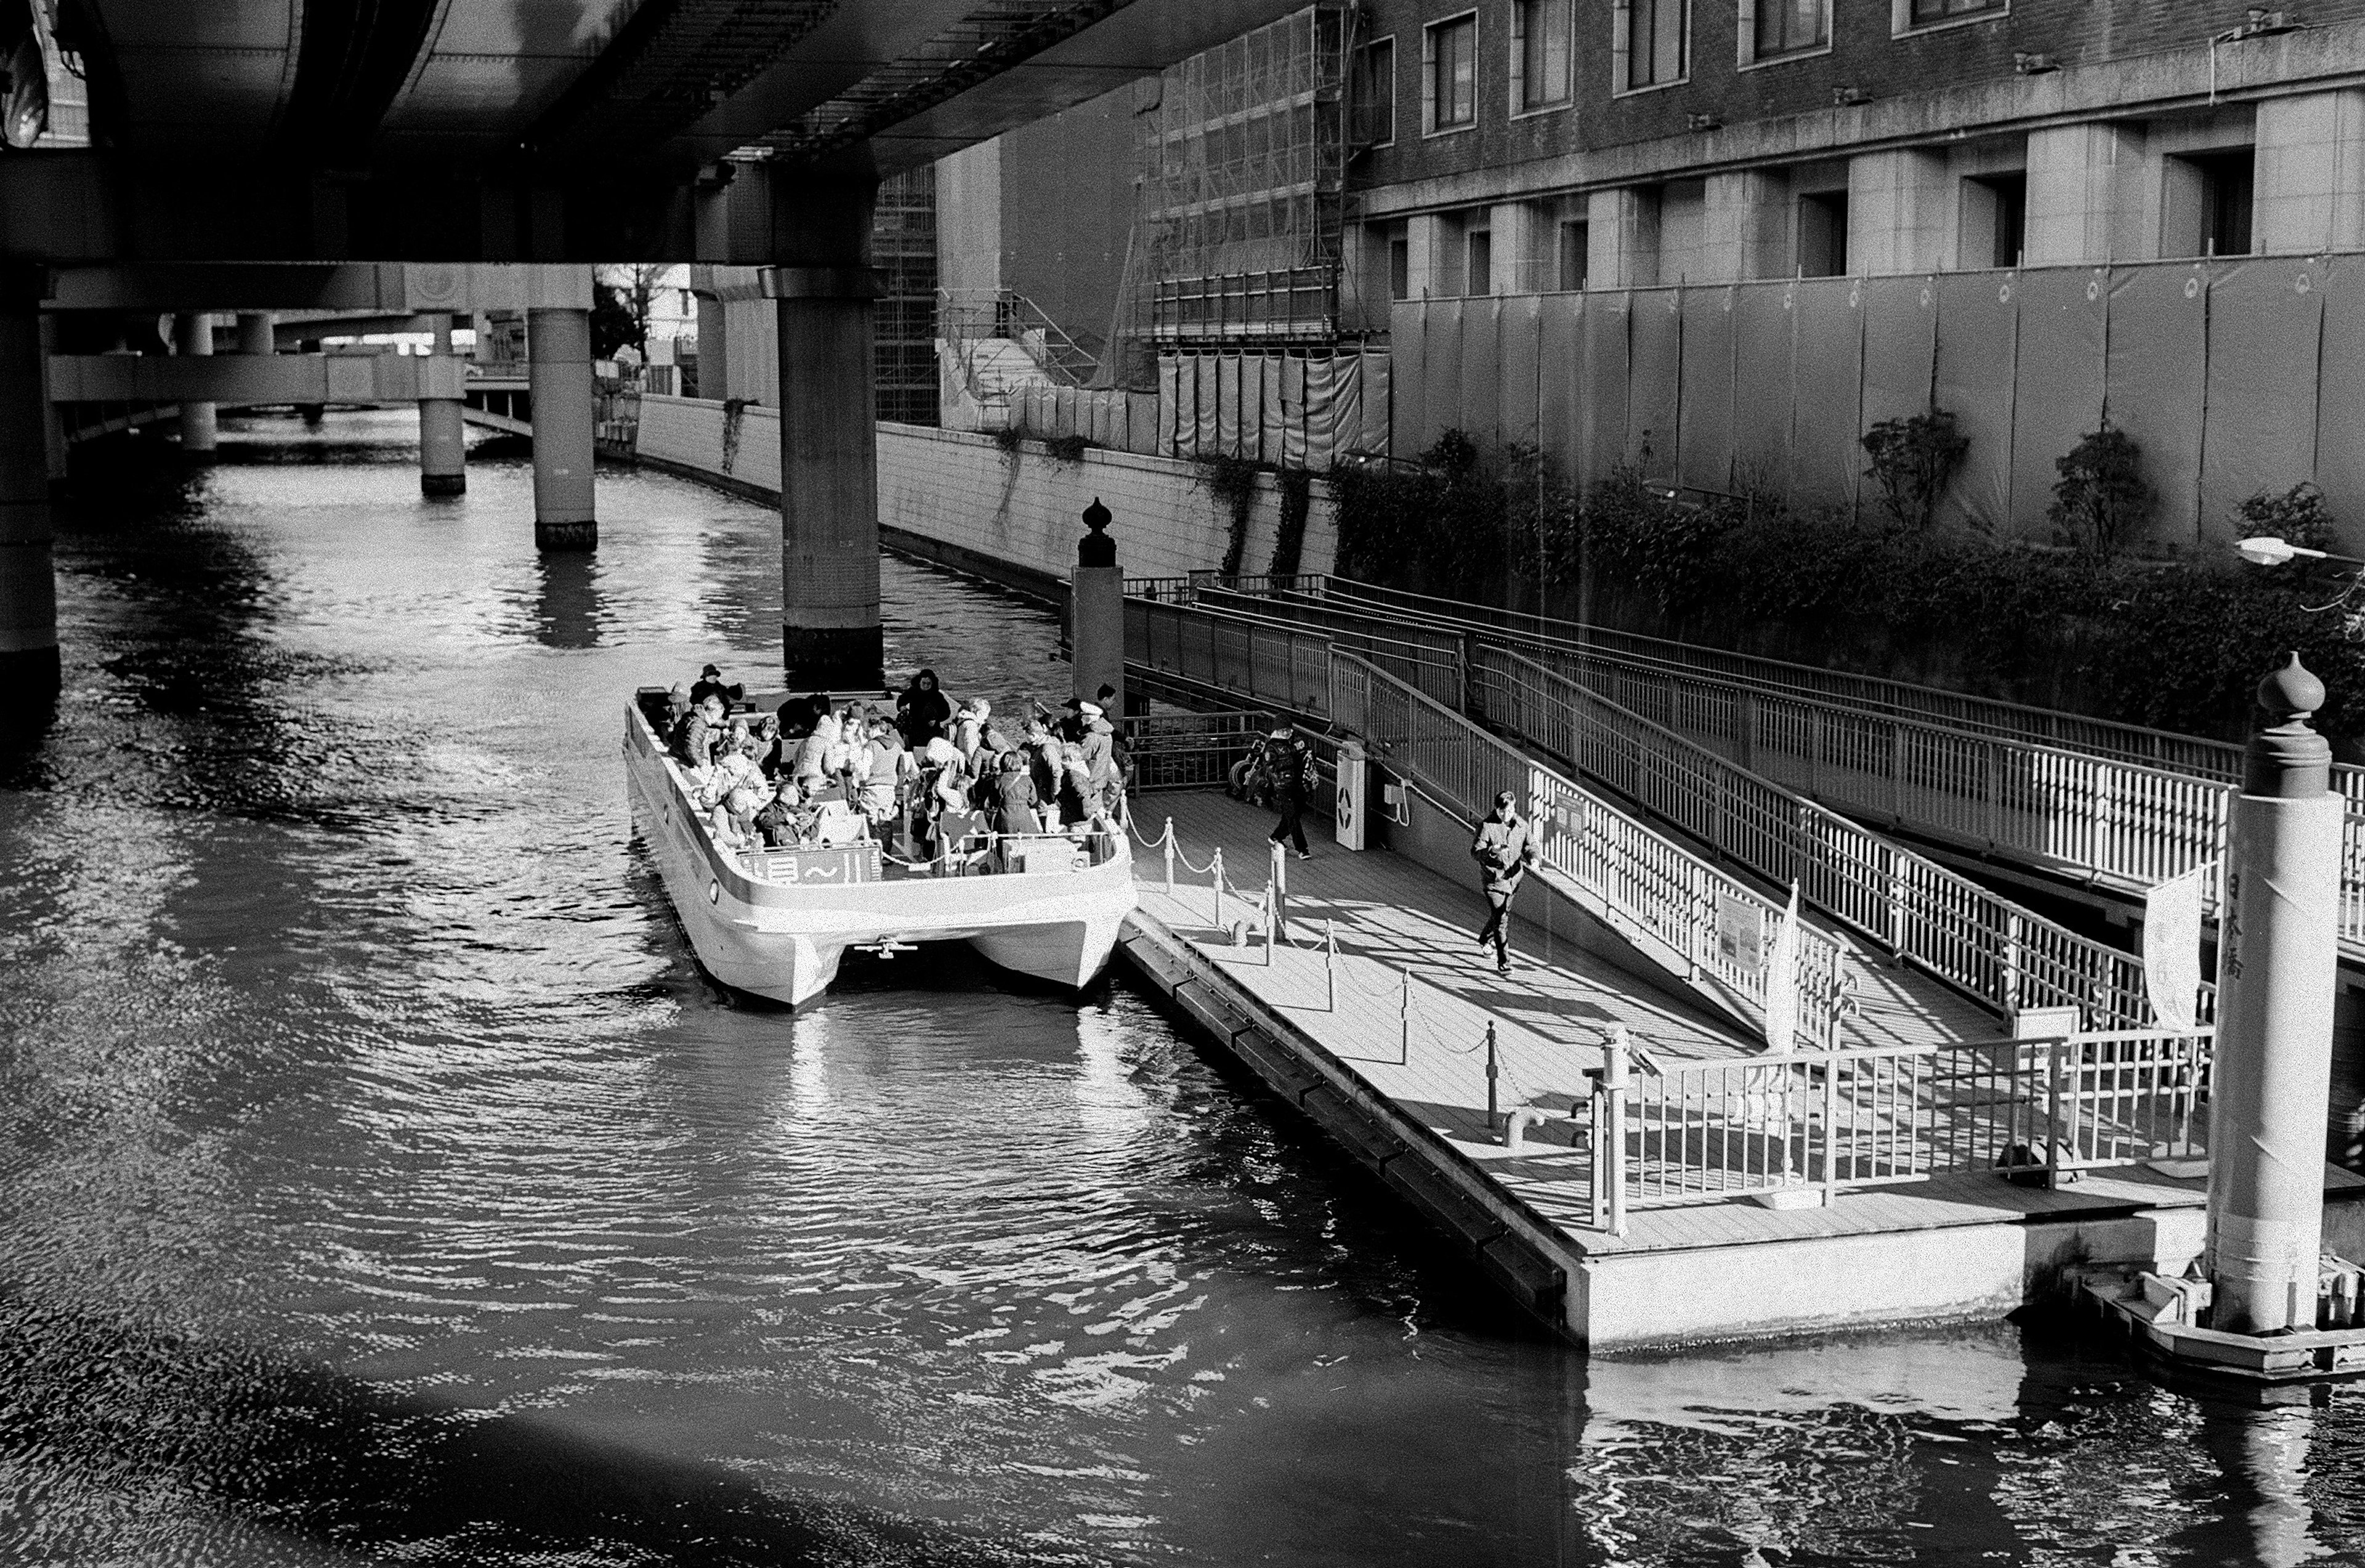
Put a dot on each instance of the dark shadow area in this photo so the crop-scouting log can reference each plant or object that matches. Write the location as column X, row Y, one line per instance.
column 566, row 600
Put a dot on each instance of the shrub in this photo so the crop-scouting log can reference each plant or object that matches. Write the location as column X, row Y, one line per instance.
column 2298, row 517
column 1289, row 539
column 1913, row 459
column 1068, row 448
column 2100, row 503
column 1232, row 482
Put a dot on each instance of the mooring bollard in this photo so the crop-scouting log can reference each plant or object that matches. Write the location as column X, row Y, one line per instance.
column 1170, row 855
column 1490, row 1075
column 1329, row 968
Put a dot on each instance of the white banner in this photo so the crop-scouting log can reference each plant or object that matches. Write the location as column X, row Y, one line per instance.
column 2172, row 946
column 1782, row 981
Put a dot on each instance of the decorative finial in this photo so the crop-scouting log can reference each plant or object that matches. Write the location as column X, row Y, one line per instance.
column 1096, row 515
column 2290, row 693
column 1096, row 548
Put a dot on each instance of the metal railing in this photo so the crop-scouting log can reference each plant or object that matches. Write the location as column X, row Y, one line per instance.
column 1191, row 751
column 1274, row 665
column 969, row 316
column 1705, row 1132
column 1650, row 886
column 2000, row 954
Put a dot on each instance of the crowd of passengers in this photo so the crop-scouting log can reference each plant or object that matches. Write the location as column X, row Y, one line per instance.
column 928, row 776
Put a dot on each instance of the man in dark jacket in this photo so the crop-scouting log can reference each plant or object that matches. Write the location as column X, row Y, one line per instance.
column 1289, row 762
column 1505, row 847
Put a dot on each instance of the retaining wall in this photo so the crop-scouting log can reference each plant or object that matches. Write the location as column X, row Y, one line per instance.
column 1012, row 516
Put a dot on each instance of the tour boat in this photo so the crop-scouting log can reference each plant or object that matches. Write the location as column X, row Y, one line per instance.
column 774, row 922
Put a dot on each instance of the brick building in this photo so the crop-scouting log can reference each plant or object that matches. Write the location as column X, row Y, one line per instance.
column 1543, row 145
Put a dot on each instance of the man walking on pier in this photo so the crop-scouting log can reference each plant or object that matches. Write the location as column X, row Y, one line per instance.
column 1289, row 763
column 1504, row 849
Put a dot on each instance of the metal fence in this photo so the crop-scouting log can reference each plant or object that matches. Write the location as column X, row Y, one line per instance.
column 2003, row 956
column 1690, row 908
column 1190, row 751
column 1703, row 1132
column 1274, row 665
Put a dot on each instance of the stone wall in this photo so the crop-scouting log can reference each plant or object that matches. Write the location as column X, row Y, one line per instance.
column 966, row 501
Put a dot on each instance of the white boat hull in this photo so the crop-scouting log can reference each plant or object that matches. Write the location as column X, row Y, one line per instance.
column 784, row 943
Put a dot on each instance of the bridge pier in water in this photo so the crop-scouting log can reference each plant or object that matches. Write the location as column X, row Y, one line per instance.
column 443, row 437
column 558, row 377
column 193, row 333
column 29, row 593
column 830, row 639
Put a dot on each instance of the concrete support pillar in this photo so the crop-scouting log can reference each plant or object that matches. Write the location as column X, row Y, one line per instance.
column 1897, row 207
column 1096, row 612
column 193, row 333
column 713, row 350
column 1524, row 236
column 2277, row 969
column 558, row 375
column 443, row 437
column 2085, row 200
column 1744, row 228
column 1422, row 238
column 28, row 594
column 1622, row 238
column 257, row 333
column 53, row 424
column 829, row 449
column 2310, row 174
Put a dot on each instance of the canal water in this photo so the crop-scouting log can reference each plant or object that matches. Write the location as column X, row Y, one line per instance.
column 383, row 1182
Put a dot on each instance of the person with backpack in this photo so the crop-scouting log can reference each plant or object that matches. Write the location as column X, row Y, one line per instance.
column 1289, row 765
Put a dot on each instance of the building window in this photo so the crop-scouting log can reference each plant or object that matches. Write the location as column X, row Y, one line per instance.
column 1400, row 268
column 1374, row 89
column 1653, row 43
column 1823, row 234
column 1575, row 240
column 1937, row 13
column 1452, row 87
column 1541, row 50
column 1995, row 220
column 1479, row 276
column 1777, row 29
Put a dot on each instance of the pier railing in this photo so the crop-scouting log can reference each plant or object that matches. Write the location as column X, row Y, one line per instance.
column 1704, row 1132
column 1278, row 665
column 1647, row 885
column 2006, row 956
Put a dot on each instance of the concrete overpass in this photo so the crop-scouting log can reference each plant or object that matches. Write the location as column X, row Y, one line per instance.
column 256, row 156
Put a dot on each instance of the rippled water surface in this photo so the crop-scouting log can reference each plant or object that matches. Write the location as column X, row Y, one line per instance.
column 382, row 1180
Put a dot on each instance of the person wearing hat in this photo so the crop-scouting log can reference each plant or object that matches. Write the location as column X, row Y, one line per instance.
column 709, row 684
column 1504, row 848
column 1289, row 765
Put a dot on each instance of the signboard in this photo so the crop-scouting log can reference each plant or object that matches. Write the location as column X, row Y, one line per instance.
column 1740, row 933
column 1351, row 809
column 823, row 866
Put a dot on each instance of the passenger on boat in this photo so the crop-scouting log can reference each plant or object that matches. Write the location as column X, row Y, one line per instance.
column 886, row 771
column 733, row 819
column 812, row 759
column 677, row 707
column 1042, row 753
column 1099, row 737
column 921, row 709
column 1015, row 798
column 969, row 726
column 710, row 683
column 790, row 819
column 700, row 734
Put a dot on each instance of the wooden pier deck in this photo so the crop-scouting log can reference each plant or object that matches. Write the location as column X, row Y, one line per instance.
column 1419, row 1089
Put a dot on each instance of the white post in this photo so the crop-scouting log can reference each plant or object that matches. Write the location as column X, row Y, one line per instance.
column 1169, row 853
column 1404, row 1020
column 1329, row 968
column 1613, row 1099
column 1217, row 871
column 1271, row 919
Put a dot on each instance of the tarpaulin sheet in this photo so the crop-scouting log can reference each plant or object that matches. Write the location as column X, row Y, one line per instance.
column 1344, row 432
column 1602, row 407
column 1441, row 370
column 1654, row 376
column 1559, row 359
column 1827, row 390
column 1143, row 411
column 2158, row 359
column 1235, row 410
column 1379, row 391
column 1209, row 440
column 1761, row 378
column 1299, row 379
column 1408, row 341
column 1272, row 420
column 1517, row 352
column 1704, row 419
column 1901, row 340
column 1172, row 390
column 1481, row 369
column 2057, row 383
column 1979, row 320
column 2340, row 392
column 2259, row 423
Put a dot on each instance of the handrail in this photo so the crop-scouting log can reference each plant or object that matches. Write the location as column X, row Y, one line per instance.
column 1276, row 665
column 1648, row 884
column 2004, row 955
column 1006, row 314
column 1706, row 1132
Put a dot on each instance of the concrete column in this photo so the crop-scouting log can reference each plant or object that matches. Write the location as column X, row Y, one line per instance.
column 1096, row 612
column 558, row 377
column 1897, row 207
column 1744, row 228
column 257, row 333
column 2085, row 201
column 1422, row 238
column 713, row 350
column 2310, row 174
column 193, row 332
column 829, row 480
column 1621, row 237
column 53, row 424
column 28, row 596
column 2277, row 968
column 1523, row 234
column 443, row 437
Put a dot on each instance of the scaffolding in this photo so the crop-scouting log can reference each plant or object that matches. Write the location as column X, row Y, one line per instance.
column 1243, row 165
column 904, row 333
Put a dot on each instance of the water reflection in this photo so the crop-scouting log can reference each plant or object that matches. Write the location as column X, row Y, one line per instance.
column 567, row 603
